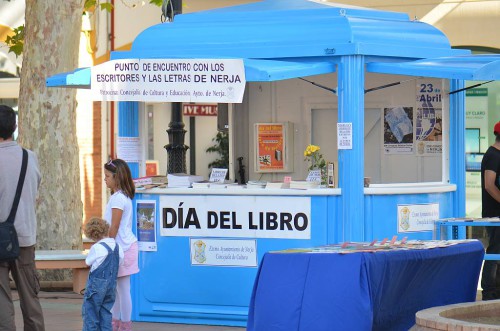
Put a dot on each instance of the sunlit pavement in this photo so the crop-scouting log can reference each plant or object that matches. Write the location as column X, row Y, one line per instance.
column 62, row 312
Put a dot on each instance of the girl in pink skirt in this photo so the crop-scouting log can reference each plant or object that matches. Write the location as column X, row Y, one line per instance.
column 119, row 215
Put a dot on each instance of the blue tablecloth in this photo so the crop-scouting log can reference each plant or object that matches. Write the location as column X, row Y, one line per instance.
column 360, row 291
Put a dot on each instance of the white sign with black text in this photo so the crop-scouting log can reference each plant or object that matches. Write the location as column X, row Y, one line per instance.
column 169, row 80
column 235, row 216
column 344, row 135
column 218, row 175
column 129, row 149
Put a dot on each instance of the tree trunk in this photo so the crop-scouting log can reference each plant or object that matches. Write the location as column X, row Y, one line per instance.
column 47, row 118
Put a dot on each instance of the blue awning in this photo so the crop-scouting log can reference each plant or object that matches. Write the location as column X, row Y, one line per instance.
column 79, row 78
column 255, row 71
column 467, row 67
column 273, row 70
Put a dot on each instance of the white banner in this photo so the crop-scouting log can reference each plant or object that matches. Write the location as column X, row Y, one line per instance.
column 236, row 216
column 223, row 252
column 169, row 80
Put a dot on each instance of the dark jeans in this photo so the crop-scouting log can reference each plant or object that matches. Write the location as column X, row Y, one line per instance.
column 490, row 281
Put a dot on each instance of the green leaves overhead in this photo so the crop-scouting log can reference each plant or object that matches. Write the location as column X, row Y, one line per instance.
column 15, row 42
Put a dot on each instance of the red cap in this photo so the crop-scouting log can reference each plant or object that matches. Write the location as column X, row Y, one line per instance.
column 496, row 128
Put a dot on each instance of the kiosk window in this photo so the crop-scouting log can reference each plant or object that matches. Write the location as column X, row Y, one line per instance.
column 472, row 137
column 473, row 161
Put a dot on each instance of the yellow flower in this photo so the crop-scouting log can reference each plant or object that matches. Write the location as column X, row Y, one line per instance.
column 310, row 149
column 312, row 154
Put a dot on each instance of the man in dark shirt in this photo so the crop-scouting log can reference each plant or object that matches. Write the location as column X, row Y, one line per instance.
column 490, row 191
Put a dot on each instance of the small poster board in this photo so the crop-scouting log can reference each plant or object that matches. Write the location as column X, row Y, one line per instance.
column 273, row 147
column 152, row 168
column 331, row 174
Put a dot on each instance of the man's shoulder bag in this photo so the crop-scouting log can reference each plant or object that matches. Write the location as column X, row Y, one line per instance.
column 9, row 243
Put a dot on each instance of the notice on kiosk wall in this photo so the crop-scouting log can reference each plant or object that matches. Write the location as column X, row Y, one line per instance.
column 417, row 217
column 223, row 252
column 169, row 80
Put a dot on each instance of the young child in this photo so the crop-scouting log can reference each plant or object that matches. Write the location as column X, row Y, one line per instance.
column 104, row 258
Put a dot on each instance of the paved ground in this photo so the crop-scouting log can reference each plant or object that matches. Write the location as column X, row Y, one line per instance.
column 62, row 312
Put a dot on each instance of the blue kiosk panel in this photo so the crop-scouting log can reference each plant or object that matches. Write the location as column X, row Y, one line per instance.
column 381, row 215
column 171, row 289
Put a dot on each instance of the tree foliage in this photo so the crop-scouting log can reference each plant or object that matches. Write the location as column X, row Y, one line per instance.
column 15, row 42
column 221, row 147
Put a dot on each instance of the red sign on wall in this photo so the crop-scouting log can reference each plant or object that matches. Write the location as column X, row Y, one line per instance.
column 199, row 110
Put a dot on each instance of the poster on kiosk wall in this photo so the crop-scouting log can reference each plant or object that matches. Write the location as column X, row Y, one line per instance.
column 273, row 147
column 429, row 117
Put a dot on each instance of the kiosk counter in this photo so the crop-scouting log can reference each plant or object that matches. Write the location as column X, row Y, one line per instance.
column 201, row 261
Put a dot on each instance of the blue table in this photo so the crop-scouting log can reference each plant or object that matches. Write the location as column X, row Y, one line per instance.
column 360, row 291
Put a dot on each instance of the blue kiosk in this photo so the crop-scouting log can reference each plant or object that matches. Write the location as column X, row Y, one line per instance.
column 279, row 42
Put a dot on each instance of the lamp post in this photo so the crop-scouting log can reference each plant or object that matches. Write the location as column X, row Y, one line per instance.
column 176, row 149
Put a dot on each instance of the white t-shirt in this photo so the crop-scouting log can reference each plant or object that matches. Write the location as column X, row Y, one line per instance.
column 125, row 237
column 98, row 253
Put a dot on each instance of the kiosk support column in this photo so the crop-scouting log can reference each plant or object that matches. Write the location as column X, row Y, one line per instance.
column 128, row 126
column 457, row 146
column 351, row 99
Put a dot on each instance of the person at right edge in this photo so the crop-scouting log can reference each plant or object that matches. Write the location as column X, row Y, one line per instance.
column 490, row 191
column 23, row 269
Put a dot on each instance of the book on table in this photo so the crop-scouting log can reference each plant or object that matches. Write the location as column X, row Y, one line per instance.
column 182, row 180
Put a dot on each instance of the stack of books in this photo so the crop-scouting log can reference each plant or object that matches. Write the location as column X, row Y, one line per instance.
column 256, row 184
column 202, row 184
column 303, row 184
column 182, row 180
column 150, row 181
column 277, row 185
column 235, row 186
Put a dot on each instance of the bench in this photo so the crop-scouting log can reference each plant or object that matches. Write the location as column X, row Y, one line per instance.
column 65, row 259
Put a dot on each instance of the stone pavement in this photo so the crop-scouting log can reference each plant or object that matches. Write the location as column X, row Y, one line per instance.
column 62, row 312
